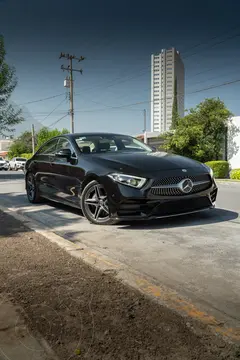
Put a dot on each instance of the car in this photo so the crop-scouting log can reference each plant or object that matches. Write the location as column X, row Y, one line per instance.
column 113, row 177
column 17, row 163
column 3, row 164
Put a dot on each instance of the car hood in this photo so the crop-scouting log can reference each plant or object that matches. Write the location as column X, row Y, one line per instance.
column 145, row 162
column 2, row 162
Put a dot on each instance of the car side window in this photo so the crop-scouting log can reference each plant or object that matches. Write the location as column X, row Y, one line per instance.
column 49, row 148
column 65, row 144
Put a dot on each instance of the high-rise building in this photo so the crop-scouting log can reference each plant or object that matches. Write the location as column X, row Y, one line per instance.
column 167, row 81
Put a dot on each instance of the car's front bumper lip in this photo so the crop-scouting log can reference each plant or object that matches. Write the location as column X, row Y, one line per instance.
column 152, row 217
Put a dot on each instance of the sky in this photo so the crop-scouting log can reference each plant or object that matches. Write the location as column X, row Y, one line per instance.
column 117, row 40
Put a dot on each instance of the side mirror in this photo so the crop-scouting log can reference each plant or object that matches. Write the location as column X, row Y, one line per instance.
column 64, row 154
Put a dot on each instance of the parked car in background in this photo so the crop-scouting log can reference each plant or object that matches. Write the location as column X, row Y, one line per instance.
column 17, row 163
column 115, row 177
column 4, row 165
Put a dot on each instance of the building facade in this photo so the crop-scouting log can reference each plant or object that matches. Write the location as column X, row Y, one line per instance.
column 4, row 146
column 233, row 144
column 167, row 79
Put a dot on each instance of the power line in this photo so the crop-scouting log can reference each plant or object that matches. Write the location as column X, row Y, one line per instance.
column 136, row 76
column 57, row 121
column 149, row 66
column 217, row 43
column 209, row 40
column 215, row 86
column 64, row 100
column 44, row 99
column 157, row 100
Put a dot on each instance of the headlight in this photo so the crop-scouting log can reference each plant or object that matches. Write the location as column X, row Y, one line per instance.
column 209, row 170
column 130, row 180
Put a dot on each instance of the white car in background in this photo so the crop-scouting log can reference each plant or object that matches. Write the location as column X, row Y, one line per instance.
column 3, row 164
column 17, row 163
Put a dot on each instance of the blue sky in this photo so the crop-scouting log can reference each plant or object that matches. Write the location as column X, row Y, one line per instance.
column 117, row 39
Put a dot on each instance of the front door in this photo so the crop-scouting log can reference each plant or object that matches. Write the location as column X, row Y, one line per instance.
column 67, row 183
column 42, row 168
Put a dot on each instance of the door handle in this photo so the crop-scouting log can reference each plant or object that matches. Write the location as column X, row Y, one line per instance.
column 51, row 160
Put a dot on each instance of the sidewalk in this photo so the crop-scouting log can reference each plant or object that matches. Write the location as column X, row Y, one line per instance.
column 16, row 341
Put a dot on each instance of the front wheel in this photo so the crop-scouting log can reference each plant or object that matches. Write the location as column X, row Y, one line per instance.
column 94, row 204
column 32, row 189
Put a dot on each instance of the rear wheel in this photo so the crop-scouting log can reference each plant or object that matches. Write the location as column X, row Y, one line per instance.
column 32, row 189
column 94, row 204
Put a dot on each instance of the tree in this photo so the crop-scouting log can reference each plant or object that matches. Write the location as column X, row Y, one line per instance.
column 45, row 134
column 8, row 115
column 175, row 115
column 201, row 133
column 23, row 144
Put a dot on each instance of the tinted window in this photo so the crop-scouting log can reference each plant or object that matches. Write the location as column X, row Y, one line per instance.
column 49, row 148
column 108, row 142
column 64, row 144
column 20, row 159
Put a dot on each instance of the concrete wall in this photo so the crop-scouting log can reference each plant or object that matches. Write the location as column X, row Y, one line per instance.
column 234, row 144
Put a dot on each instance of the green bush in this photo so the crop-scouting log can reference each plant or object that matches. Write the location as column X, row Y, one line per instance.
column 26, row 155
column 235, row 174
column 220, row 168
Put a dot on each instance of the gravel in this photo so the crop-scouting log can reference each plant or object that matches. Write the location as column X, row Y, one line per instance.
column 85, row 314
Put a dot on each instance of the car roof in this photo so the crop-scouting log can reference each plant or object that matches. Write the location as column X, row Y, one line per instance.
column 93, row 134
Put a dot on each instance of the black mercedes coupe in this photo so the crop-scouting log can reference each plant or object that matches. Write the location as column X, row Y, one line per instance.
column 113, row 177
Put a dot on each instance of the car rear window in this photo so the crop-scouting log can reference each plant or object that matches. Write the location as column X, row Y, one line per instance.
column 20, row 159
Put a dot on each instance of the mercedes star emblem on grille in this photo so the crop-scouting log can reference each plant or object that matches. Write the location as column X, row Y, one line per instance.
column 186, row 186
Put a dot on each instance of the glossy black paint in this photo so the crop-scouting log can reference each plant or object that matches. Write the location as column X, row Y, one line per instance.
column 62, row 179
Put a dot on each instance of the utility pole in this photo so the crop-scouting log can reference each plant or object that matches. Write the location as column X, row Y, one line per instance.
column 33, row 139
column 70, row 70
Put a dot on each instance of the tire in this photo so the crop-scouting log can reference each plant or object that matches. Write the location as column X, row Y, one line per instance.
column 32, row 189
column 94, row 204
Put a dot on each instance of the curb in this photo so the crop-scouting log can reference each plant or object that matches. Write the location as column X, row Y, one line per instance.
column 124, row 273
column 228, row 181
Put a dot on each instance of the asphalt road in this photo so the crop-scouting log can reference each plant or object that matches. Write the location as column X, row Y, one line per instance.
column 197, row 256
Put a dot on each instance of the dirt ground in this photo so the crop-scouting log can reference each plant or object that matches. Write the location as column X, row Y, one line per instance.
column 84, row 314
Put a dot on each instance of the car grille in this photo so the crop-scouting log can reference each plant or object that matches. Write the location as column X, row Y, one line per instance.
column 167, row 186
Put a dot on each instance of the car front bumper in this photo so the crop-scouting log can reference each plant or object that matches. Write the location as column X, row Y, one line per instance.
column 126, row 203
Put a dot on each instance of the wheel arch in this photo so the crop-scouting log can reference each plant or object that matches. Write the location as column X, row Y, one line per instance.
column 88, row 179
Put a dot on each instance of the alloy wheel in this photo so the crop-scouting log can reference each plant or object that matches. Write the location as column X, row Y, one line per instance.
column 96, row 205
column 30, row 187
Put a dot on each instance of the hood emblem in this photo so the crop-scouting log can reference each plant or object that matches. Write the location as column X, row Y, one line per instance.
column 186, row 186
column 184, row 170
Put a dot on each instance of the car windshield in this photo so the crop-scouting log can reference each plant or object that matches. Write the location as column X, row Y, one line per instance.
column 110, row 143
column 1, row 159
column 20, row 159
